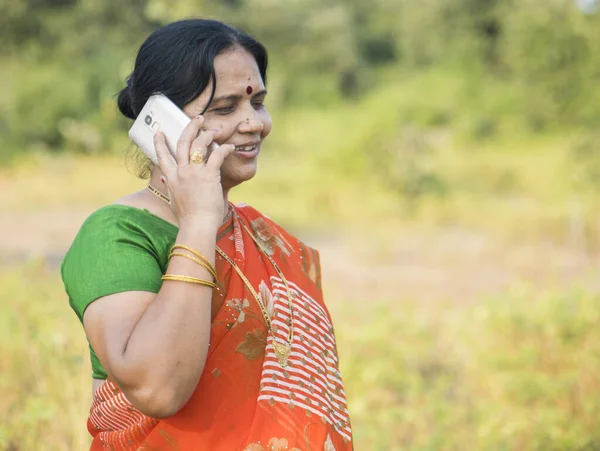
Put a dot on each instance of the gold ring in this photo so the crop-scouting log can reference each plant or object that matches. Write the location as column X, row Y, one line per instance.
column 196, row 157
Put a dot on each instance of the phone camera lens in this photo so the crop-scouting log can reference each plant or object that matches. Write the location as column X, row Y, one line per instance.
column 148, row 120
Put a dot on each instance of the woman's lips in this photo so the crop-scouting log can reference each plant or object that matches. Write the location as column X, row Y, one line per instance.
column 247, row 151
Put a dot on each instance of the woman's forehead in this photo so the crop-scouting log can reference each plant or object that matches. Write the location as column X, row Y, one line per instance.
column 237, row 69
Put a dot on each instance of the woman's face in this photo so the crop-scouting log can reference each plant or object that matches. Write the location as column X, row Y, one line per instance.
column 238, row 110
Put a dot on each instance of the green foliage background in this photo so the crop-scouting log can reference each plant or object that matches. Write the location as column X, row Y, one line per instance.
column 473, row 71
column 505, row 65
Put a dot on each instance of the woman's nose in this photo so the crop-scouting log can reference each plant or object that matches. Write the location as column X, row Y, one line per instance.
column 251, row 125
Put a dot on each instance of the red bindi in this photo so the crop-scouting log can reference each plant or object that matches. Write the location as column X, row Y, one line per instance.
column 249, row 90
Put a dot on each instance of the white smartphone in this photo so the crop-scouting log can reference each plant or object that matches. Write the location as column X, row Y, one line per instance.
column 158, row 114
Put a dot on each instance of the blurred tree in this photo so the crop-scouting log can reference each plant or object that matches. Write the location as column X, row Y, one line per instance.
column 65, row 59
column 72, row 28
column 552, row 51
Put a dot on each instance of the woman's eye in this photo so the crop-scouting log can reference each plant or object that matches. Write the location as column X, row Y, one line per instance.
column 224, row 110
column 258, row 105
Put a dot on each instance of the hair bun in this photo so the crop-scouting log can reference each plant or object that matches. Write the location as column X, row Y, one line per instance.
column 125, row 102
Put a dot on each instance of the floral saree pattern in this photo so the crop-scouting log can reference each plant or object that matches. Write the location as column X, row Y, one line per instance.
column 245, row 400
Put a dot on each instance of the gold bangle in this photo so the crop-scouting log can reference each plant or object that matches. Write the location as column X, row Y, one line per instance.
column 178, row 278
column 195, row 252
column 197, row 260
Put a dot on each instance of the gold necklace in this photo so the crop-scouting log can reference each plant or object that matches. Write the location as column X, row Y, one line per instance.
column 158, row 194
column 282, row 351
column 167, row 199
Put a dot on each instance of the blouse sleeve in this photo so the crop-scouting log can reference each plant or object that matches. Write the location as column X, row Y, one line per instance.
column 109, row 255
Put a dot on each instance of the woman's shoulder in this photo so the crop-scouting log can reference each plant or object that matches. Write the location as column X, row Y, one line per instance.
column 108, row 214
column 125, row 218
column 117, row 231
column 114, row 251
column 106, row 220
column 118, row 228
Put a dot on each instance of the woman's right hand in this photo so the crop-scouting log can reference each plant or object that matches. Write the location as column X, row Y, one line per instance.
column 194, row 188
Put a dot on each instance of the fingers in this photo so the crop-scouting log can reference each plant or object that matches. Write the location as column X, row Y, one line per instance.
column 189, row 134
column 202, row 142
column 218, row 156
column 166, row 162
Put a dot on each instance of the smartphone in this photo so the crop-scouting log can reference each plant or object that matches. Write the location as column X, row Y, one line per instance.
column 158, row 114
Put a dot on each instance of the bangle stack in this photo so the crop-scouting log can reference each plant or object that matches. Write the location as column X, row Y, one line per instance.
column 196, row 257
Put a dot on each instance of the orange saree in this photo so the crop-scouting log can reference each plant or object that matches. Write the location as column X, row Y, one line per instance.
column 245, row 400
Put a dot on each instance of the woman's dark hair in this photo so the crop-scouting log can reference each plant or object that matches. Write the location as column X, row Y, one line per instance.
column 177, row 60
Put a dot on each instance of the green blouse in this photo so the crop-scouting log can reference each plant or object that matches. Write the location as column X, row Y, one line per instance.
column 118, row 248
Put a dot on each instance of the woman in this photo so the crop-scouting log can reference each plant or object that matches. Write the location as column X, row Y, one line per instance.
column 206, row 321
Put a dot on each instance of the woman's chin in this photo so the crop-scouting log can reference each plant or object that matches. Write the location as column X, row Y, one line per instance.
column 231, row 178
